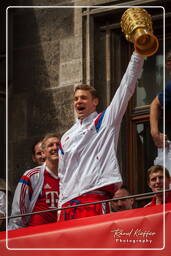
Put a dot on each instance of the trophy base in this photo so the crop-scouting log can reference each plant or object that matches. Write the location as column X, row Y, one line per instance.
column 145, row 43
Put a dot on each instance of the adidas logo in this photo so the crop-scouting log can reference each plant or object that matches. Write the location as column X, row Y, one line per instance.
column 47, row 186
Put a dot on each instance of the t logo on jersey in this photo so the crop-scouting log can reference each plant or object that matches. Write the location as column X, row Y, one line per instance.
column 52, row 198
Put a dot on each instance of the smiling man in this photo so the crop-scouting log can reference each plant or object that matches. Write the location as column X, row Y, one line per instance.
column 37, row 153
column 88, row 166
column 156, row 176
column 38, row 189
column 85, row 101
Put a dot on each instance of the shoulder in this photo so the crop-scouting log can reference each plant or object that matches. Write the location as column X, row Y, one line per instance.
column 68, row 133
column 30, row 175
column 2, row 194
column 32, row 172
column 168, row 199
column 168, row 86
column 147, row 205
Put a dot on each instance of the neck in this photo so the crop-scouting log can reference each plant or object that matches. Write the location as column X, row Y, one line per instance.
column 82, row 118
column 53, row 166
column 159, row 197
column 159, row 200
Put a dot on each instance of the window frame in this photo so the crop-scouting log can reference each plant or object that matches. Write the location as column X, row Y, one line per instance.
column 134, row 115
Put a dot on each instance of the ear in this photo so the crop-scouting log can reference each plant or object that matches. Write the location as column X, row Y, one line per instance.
column 43, row 154
column 149, row 185
column 33, row 158
column 95, row 102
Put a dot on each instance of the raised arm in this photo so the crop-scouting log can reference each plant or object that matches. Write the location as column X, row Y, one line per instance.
column 125, row 90
column 155, row 112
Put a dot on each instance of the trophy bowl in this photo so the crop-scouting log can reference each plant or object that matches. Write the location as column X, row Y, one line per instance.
column 136, row 24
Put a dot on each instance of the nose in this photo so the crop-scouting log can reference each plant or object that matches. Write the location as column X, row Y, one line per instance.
column 119, row 202
column 157, row 180
column 55, row 146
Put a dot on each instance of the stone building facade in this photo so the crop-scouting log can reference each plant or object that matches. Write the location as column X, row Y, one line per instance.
column 51, row 48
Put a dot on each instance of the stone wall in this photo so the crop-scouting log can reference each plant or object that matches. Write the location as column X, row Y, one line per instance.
column 45, row 61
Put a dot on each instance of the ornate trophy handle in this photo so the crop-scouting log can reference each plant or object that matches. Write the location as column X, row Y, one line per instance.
column 136, row 23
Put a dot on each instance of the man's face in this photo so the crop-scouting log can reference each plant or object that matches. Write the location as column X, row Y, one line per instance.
column 84, row 103
column 38, row 157
column 51, row 147
column 120, row 205
column 156, row 181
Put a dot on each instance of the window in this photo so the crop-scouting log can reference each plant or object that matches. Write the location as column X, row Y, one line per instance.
column 106, row 54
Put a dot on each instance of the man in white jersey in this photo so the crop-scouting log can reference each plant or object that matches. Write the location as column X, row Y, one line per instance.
column 38, row 189
column 88, row 167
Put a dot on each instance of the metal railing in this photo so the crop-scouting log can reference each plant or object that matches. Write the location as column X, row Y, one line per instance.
column 137, row 196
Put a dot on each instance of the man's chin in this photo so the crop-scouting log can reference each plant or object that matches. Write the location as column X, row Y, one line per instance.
column 158, row 189
column 80, row 116
column 54, row 158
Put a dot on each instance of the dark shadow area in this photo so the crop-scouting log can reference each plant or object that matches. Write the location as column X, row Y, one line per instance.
column 35, row 104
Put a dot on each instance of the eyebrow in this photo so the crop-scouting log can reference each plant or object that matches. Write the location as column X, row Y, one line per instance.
column 80, row 96
column 156, row 177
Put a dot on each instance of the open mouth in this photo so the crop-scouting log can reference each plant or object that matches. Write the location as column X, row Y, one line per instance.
column 54, row 153
column 80, row 108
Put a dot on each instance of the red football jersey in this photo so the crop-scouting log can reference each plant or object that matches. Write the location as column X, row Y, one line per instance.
column 48, row 199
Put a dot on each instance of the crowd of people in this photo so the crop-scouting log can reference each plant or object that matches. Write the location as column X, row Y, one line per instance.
column 82, row 167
